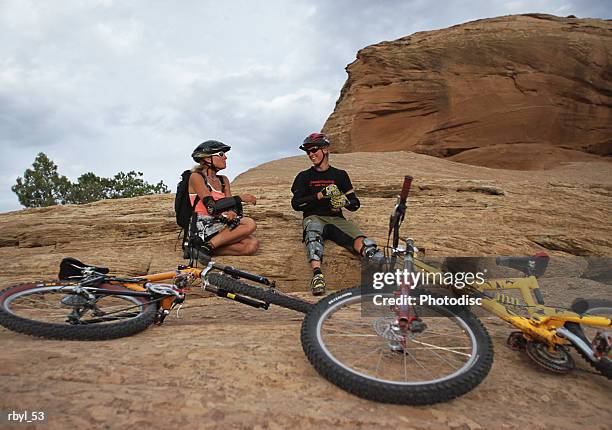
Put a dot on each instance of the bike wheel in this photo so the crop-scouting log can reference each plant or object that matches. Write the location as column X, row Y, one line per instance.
column 52, row 310
column 267, row 295
column 587, row 333
column 364, row 354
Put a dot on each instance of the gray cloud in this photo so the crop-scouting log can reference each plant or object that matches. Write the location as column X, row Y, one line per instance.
column 107, row 86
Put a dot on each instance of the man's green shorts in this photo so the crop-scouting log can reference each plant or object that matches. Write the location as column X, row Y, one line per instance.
column 337, row 229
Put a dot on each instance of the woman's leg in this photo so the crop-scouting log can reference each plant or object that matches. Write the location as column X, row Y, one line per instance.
column 246, row 246
column 227, row 237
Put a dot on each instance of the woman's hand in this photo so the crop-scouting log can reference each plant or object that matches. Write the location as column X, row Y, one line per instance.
column 229, row 215
column 248, row 198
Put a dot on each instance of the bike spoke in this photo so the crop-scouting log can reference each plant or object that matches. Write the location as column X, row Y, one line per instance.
column 379, row 360
column 45, row 304
column 449, row 349
column 406, row 352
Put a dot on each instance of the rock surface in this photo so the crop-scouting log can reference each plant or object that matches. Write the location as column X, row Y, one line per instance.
column 224, row 365
column 516, row 92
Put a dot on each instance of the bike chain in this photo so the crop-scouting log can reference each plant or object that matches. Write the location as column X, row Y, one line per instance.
column 135, row 306
column 564, row 364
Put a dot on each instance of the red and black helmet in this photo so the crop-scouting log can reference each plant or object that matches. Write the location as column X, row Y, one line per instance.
column 314, row 139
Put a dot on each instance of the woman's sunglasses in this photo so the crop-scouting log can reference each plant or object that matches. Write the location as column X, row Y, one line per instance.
column 218, row 154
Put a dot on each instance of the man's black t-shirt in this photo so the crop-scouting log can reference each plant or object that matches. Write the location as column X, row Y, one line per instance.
column 308, row 183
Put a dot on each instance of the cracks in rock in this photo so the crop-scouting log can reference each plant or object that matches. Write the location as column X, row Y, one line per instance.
column 383, row 112
column 484, row 189
column 516, row 85
column 449, row 126
column 557, row 244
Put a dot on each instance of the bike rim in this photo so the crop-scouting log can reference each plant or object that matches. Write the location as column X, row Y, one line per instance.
column 32, row 304
column 439, row 352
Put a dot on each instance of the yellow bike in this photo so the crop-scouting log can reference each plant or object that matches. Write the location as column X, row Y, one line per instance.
column 415, row 344
column 545, row 332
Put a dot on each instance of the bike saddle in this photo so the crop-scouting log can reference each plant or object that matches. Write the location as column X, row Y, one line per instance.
column 533, row 265
column 71, row 268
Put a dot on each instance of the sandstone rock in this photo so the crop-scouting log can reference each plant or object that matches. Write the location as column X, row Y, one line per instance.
column 454, row 209
column 515, row 92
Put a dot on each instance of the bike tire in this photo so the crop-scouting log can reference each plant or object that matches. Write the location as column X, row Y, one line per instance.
column 267, row 295
column 592, row 307
column 370, row 388
column 67, row 331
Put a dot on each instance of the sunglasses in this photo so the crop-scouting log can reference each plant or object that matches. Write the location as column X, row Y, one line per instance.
column 218, row 154
column 312, row 150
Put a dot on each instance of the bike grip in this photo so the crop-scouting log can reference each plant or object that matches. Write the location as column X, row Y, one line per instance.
column 406, row 187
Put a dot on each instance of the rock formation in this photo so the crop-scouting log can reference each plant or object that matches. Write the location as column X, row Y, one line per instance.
column 520, row 92
column 453, row 209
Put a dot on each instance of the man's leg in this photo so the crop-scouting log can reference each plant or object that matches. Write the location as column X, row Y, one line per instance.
column 313, row 237
column 368, row 249
column 345, row 233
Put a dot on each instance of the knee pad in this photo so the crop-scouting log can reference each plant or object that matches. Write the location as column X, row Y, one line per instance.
column 313, row 236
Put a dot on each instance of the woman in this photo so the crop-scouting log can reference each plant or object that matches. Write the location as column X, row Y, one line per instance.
column 220, row 230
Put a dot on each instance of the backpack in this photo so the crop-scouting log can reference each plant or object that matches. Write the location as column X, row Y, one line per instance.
column 183, row 208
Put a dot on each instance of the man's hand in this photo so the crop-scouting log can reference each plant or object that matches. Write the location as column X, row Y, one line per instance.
column 338, row 202
column 331, row 191
column 248, row 198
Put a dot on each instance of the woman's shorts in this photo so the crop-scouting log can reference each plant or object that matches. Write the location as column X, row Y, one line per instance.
column 207, row 227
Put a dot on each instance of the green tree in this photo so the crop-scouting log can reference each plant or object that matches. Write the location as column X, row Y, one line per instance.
column 130, row 185
column 89, row 188
column 42, row 185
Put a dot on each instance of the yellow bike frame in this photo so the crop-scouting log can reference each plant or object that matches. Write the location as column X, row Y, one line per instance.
column 542, row 322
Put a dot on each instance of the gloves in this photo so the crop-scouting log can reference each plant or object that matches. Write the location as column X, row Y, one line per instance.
column 331, row 191
column 338, row 202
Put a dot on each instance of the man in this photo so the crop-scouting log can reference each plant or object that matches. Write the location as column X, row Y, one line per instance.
column 320, row 193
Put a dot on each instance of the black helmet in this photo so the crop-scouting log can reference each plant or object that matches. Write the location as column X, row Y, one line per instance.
column 208, row 149
column 314, row 139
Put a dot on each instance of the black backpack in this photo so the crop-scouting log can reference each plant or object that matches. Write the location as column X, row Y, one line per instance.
column 182, row 205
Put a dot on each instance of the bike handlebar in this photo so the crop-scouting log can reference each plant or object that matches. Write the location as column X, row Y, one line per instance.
column 400, row 211
column 406, row 188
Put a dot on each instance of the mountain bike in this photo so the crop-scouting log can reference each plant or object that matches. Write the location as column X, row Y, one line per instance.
column 87, row 303
column 413, row 353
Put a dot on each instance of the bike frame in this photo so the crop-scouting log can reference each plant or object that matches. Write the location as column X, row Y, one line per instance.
column 138, row 284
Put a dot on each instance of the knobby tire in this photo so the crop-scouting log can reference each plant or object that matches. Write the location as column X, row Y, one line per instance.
column 267, row 295
column 389, row 392
column 604, row 366
column 66, row 331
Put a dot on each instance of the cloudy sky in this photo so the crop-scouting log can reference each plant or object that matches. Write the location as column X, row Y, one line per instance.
column 108, row 86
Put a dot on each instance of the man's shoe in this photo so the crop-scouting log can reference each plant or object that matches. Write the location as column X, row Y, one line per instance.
column 317, row 285
column 374, row 257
